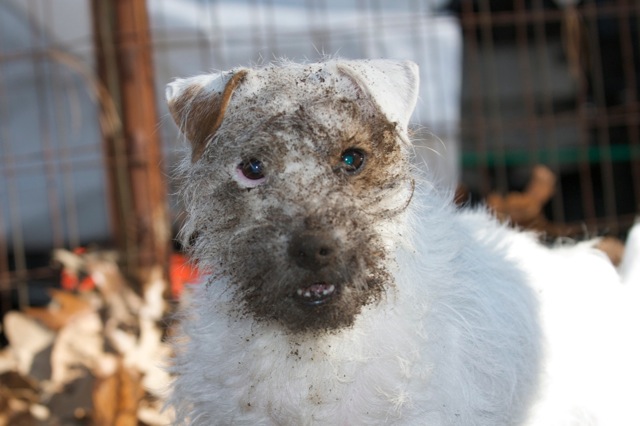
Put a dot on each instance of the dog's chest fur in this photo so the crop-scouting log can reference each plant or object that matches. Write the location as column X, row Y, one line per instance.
column 271, row 378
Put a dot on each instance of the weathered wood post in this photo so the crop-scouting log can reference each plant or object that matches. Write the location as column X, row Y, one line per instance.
column 136, row 179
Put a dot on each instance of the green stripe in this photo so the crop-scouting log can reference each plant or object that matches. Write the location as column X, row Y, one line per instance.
column 562, row 156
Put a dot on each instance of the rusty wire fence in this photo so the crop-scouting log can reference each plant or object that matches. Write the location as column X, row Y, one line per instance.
column 556, row 86
column 506, row 85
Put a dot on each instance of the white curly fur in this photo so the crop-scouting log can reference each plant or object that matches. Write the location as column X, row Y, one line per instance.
column 483, row 326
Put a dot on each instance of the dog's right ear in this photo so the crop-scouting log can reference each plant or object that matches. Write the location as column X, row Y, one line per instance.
column 198, row 104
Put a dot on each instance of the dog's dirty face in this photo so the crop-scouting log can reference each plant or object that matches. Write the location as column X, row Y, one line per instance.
column 296, row 178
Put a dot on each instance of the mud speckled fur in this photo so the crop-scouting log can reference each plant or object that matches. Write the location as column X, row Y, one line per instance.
column 439, row 316
column 299, row 137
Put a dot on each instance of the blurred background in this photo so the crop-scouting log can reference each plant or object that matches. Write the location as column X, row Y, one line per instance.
column 86, row 146
column 529, row 106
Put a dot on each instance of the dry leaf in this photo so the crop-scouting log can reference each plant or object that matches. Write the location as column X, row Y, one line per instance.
column 116, row 398
column 28, row 339
column 63, row 307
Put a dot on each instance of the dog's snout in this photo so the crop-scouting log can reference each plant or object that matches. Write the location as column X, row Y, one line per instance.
column 312, row 250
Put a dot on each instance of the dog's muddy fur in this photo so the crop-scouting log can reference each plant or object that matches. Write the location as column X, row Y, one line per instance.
column 245, row 233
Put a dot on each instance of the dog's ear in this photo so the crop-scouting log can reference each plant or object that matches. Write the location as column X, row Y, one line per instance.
column 393, row 85
column 198, row 104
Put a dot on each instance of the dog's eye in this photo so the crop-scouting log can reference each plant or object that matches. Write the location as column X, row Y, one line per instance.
column 352, row 160
column 250, row 174
column 252, row 169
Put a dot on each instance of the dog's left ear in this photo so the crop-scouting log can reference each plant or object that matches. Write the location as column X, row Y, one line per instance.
column 393, row 85
column 198, row 104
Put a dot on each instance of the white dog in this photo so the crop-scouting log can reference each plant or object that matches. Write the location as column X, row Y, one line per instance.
column 344, row 289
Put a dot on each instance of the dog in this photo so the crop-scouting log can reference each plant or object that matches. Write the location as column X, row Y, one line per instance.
column 345, row 288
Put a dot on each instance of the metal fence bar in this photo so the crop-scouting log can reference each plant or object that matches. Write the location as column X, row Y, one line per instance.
column 630, row 69
column 17, row 279
column 477, row 121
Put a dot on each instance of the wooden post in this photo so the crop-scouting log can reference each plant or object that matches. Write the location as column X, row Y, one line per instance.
column 136, row 180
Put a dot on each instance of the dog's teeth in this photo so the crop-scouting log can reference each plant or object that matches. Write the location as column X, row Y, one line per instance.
column 328, row 290
column 316, row 293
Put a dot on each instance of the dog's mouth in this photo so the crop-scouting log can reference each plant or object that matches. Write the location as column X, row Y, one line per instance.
column 316, row 294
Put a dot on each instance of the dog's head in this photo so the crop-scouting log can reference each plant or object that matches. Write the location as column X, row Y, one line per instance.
column 295, row 183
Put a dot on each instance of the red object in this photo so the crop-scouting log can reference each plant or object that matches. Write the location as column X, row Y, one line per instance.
column 70, row 281
column 76, row 281
column 181, row 272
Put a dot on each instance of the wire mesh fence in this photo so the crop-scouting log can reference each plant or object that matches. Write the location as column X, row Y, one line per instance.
column 557, row 86
column 505, row 85
column 50, row 156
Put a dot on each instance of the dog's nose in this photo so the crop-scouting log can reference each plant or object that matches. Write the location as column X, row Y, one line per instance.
column 312, row 250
